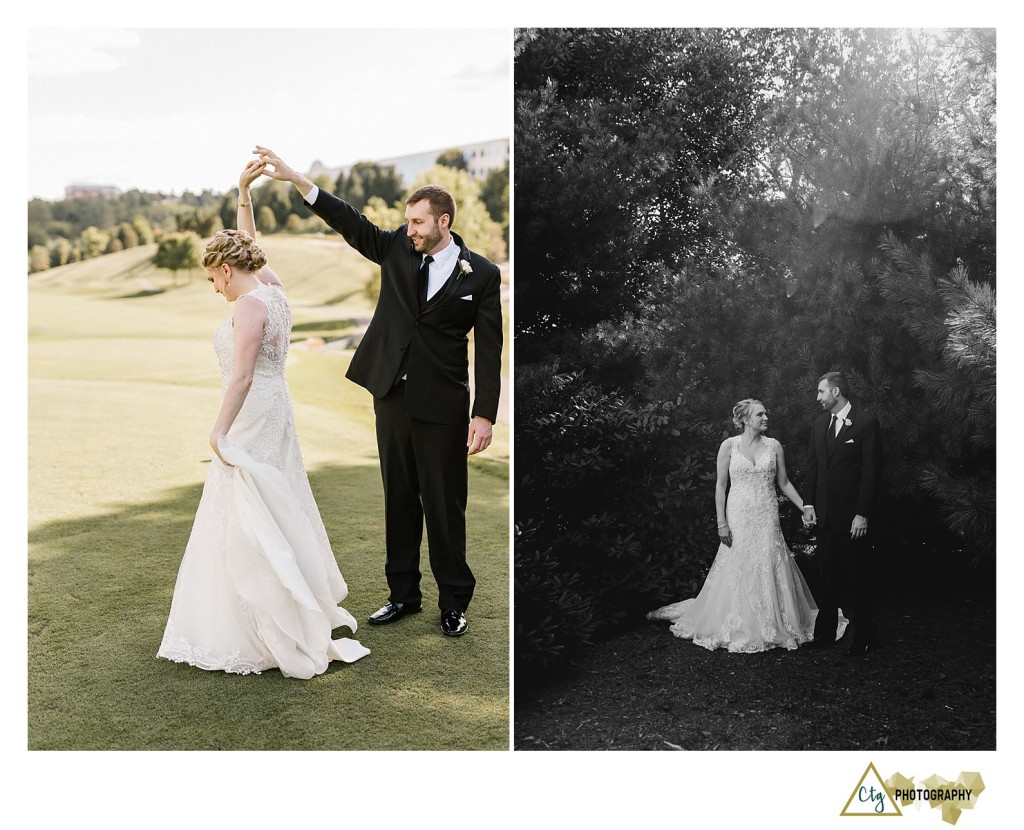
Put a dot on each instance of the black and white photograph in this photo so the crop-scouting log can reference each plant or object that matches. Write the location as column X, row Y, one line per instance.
column 755, row 353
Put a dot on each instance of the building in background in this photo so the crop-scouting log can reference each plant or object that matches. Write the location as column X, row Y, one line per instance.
column 481, row 158
column 82, row 191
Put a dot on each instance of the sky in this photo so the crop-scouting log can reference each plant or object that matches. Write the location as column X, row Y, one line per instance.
column 181, row 109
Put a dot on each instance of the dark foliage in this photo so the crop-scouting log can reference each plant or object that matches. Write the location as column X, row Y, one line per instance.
column 619, row 135
column 606, row 486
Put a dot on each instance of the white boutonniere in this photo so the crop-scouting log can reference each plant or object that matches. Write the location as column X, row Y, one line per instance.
column 465, row 267
column 848, row 422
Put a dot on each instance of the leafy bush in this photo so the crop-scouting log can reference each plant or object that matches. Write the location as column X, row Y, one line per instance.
column 614, row 510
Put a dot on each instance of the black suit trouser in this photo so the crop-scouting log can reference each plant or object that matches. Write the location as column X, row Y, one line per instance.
column 423, row 467
column 845, row 568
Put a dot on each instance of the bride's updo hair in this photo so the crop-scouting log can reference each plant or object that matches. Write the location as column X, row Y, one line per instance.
column 236, row 248
column 741, row 411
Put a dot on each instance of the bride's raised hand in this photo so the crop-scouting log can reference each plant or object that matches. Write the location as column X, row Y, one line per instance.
column 252, row 171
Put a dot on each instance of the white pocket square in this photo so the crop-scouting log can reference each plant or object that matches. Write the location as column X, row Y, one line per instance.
column 467, row 297
column 850, row 441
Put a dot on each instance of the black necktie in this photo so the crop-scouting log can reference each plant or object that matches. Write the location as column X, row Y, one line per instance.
column 422, row 280
column 832, row 430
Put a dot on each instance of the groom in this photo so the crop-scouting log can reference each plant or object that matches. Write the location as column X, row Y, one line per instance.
column 414, row 360
column 844, row 471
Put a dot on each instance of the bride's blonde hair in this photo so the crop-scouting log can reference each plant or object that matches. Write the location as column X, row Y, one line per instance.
column 741, row 411
column 235, row 248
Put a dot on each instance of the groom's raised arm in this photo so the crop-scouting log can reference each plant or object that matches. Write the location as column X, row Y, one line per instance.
column 372, row 242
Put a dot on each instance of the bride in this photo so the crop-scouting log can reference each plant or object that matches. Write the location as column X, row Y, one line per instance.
column 258, row 587
column 754, row 597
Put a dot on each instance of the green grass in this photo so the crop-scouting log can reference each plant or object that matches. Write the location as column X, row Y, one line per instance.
column 123, row 389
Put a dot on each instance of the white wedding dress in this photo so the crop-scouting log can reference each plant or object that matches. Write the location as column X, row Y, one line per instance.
column 754, row 597
column 259, row 587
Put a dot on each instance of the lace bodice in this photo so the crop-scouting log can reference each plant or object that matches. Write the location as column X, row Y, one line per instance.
column 264, row 426
column 273, row 349
column 752, row 499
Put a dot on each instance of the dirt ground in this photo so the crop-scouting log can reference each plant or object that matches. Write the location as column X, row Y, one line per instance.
column 932, row 686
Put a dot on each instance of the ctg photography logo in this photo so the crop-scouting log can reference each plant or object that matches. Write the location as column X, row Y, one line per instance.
column 873, row 797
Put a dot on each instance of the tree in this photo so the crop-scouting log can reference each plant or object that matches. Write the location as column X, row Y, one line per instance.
column 494, row 193
column 265, row 219
column 40, row 215
column 367, row 179
column 93, row 242
column 279, row 197
column 622, row 138
column 60, row 252
column 143, row 229
column 204, row 221
column 384, row 215
column 178, row 252
column 36, row 236
column 209, row 224
column 956, row 374
column 453, row 158
column 38, row 259
column 128, row 235
column 472, row 222
column 228, row 209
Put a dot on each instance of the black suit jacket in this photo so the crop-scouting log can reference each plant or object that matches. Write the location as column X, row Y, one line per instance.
column 844, row 482
column 436, row 338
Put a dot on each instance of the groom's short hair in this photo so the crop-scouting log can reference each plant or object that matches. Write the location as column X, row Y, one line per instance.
column 439, row 199
column 837, row 379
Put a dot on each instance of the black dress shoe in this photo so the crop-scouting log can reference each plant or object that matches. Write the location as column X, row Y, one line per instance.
column 453, row 623
column 392, row 612
column 820, row 644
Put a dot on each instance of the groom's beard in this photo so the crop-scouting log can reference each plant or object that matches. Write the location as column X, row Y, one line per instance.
column 426, row 243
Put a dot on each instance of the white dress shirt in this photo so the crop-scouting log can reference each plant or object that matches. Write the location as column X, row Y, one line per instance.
column 841, row 416
column 442, row 267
